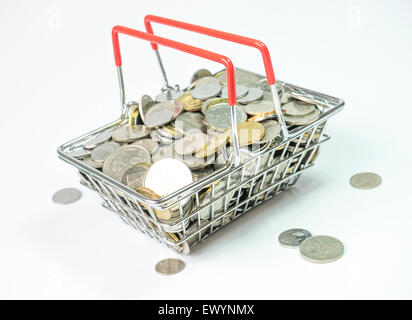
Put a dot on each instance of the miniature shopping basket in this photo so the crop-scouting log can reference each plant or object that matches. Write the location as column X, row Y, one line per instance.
column 248, row 179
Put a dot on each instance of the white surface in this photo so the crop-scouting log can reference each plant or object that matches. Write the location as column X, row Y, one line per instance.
column 58, row 81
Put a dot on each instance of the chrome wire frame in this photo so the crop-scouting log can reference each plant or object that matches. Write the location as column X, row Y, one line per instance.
column 263, row 175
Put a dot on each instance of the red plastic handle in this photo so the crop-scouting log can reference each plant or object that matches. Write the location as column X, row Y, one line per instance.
column 267, row 61
column 179, row 46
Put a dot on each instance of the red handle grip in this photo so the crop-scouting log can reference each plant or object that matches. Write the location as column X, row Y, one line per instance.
column 267, row 61
column 179, row 46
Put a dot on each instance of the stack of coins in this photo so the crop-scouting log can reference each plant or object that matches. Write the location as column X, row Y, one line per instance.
column 182, row 136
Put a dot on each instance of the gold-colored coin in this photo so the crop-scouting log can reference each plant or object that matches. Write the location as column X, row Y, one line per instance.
column 134, row 113
column 171, row 131
column 189, row 103
column 248, row 132
column 262, row 116
column 164, row 214
column 212, row 145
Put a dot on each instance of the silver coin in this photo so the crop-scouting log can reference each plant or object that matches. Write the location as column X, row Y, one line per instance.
column 66, row 196
column 94, row 164
column 164, row 152
column 200, row 74
column 133, row 177
column 302, row 120
column 124, row 158
column 205, row 81
column 365, row 180
column 206, row 91
column 241, row 91
column 190, row 123
column 97, row 140
column 190, row 143
column 170, row 94
column 321, row 249
column 169, row 266
column 206, row 104
column 158, row 118
column 176, row 107
column 157, row 136
column 298, row 108
column 294, row 237
column 128, row 133
column 259, row 107
column 253, row 94
column 242, row 77
column 146, row 102
column 167, row 176
column 150, row 144
column 79, row 154
column 100, row 153
column 219, row 116
column 272, row 130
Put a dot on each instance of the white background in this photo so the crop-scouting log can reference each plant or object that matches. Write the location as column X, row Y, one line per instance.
column 58, row 81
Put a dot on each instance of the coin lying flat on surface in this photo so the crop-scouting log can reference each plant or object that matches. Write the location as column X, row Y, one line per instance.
column 100, row 153
column 272, row 130
column 241, row 91
column 321, row 249
column 206, row 91
column 190, row 103
column 248, row 132
column 204, row 81
column 259, row 107
column 292, row 238
column 149, row 144
column 199, row 74
column 365, row 180
column 302, row 120
column 190, row 123
column 158, row 118
column 97, row 140
column 169, row 266
column 124, row 158
column 218, row 116
column 213, row 144
column 130, row 133
column 298, row 108
column 253, row 94
column 190, row 143
column 66, row 196
column 94, row 164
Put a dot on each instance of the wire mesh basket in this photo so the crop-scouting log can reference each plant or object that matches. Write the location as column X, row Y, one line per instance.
column 247, row 179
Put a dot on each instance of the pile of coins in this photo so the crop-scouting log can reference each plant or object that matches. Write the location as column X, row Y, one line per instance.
column 320, row 249
column 182, row 136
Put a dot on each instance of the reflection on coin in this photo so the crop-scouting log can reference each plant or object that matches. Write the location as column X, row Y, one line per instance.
column 272, row 130
column 302, row 120
column 169, row 266
column 97, row 140
column 190, row 143
column 199, row 74
column 134, row 114
column 219, row 117
column 248, row 132
column 259, row 107
column 212, row 145
column 190, row 103
column 205, row 91
column 298, row 108
column 242, row 77
column 252, row 95
column 158, row 118
column 133, row 177
column 294, row 237
column 175, row 106
column 167, row 176
column 130, row 134
column 210, row 102
column 146, row 102
column 80, row 154
column 169, row 94
column 66, row 196
column 190, row 122
column 241, row 91
column 124, row 158
column 321, row 249
column 103, row 151
column 94, row 164
column 205, row 81
column 365, row 180
column 164, row 214
column 262, row 116
column 157, row 136
column 149, row 144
